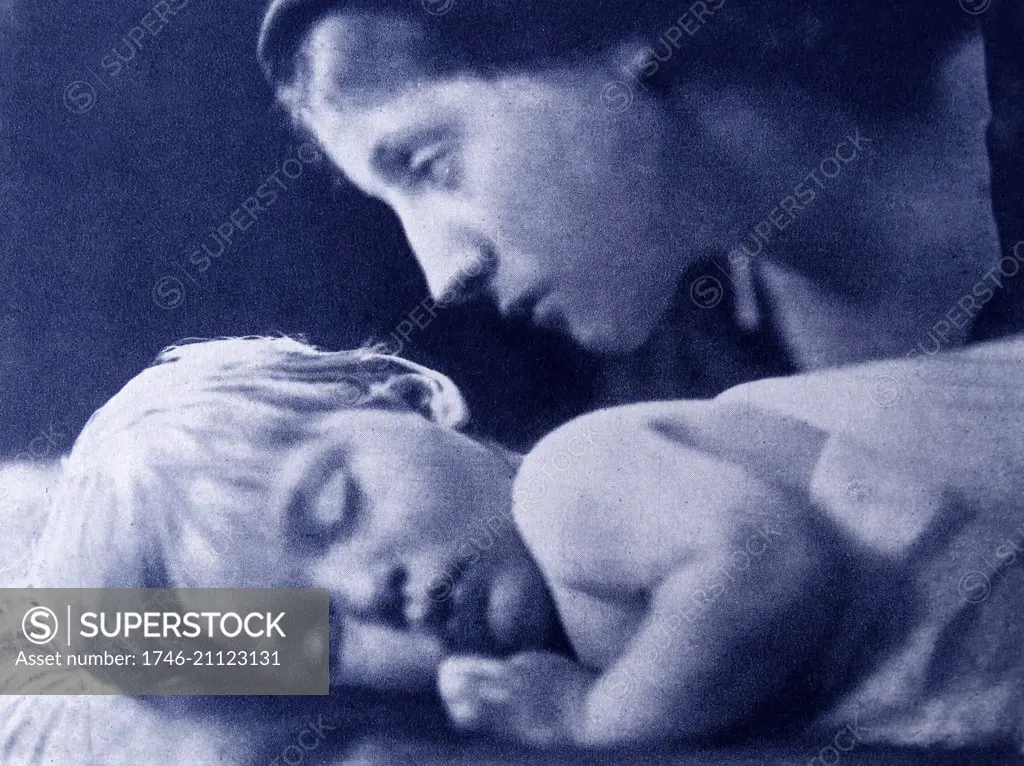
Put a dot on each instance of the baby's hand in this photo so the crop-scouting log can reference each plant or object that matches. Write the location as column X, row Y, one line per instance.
column 533, row 698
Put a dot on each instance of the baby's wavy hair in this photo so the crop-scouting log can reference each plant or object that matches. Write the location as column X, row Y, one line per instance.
column 165, row 476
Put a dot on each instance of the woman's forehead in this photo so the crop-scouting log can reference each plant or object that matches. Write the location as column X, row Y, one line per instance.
column 360, row 59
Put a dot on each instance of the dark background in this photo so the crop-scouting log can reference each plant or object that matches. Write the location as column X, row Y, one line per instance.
column 99, row 198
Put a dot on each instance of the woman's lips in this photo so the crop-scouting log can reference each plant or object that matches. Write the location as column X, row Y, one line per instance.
column 538, row 307
column 520, row 307
column 527, row 303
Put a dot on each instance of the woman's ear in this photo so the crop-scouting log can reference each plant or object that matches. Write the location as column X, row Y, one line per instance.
column 432, row 395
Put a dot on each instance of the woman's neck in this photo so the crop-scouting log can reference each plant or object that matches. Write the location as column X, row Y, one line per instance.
column 900, row 259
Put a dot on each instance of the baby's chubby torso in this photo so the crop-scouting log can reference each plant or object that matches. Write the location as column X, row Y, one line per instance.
column 639, row 525
column 710, row 555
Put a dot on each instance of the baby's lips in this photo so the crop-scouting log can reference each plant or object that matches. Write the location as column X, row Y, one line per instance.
column 417, row 612
column 427, row 608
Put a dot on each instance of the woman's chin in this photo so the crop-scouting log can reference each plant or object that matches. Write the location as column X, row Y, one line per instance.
column 616, row 338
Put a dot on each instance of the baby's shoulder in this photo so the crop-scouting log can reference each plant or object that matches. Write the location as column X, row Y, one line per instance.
column 599, row 500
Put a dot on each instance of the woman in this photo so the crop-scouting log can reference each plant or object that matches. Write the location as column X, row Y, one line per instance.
column 584, row 162
column 580, row 160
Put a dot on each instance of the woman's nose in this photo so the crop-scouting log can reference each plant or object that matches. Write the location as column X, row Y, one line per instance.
column 457, row 261
column 470, row 280
column 455, row 279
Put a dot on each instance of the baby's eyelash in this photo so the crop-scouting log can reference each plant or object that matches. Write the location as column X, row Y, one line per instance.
column 324, row 509
column 336, row 508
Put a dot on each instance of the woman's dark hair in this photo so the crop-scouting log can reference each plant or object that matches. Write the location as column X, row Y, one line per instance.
column 876, row 55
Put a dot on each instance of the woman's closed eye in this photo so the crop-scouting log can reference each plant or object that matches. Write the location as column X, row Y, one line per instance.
column 433, row 165
column 418, row 165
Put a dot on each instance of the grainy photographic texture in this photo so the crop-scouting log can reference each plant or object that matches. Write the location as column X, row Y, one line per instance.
column 635, row 382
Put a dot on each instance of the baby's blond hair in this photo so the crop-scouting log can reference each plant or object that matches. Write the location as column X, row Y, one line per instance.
column 166, row 473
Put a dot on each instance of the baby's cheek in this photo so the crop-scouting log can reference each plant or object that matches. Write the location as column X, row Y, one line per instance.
column 377, row 657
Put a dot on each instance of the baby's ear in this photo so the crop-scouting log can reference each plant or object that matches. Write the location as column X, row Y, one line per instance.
column 433, row 395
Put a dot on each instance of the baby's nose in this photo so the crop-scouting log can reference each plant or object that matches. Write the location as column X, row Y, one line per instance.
column 382, row 600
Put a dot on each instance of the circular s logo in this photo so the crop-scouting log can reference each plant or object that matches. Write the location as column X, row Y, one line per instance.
column 616, row 96
column 975, row 7
column 885, row 390
column 438, row 7
column 79, row 97
column 168, row 293
column 706, row 292
column 39, row 625
column 975, row 587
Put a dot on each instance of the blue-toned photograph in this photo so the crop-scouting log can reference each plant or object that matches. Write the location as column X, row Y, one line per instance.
column 488, row 382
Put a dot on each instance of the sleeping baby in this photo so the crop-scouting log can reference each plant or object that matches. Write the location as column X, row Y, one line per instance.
column 579, row 599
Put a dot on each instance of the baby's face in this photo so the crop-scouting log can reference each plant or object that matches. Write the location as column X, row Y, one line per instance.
column 409, row 526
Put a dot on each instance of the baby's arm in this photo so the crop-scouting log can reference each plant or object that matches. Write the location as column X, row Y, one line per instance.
column 727, row 568
column 707, row 653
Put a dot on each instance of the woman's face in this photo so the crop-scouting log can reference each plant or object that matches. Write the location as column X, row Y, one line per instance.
column 408, row 525
column 527, row 189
